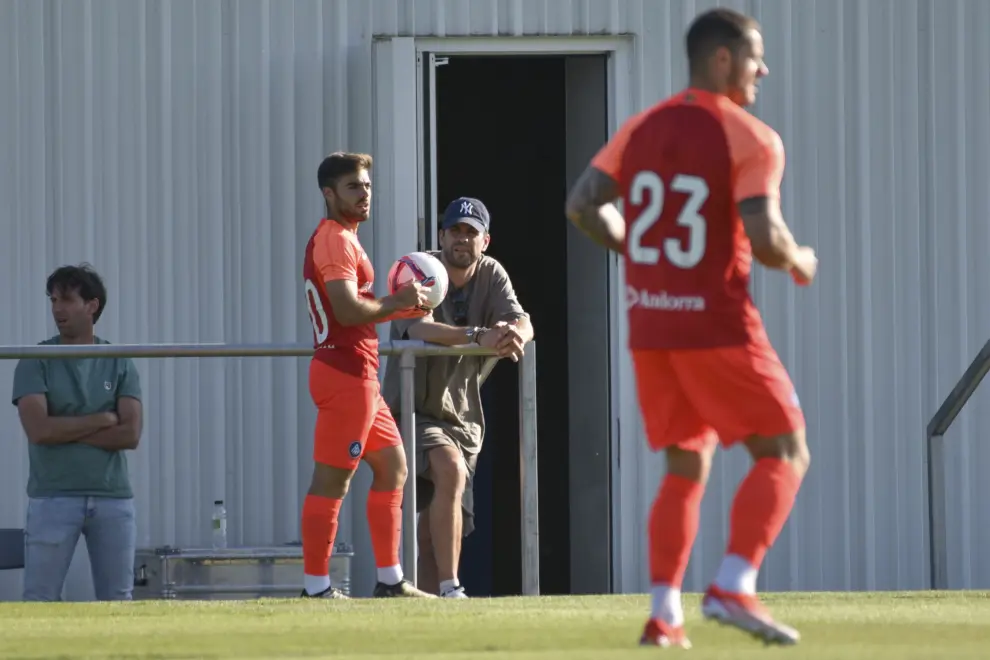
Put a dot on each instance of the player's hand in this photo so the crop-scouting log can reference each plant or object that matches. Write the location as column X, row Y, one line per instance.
column 805, row 266
column 411, row 296
column 110, row 419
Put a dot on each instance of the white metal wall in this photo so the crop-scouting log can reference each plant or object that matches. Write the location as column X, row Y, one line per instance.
column 174, row 146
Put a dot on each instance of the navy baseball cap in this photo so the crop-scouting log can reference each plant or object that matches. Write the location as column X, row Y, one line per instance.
column 468, row 210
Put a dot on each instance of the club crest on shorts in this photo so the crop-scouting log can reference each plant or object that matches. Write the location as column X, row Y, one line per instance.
column 355, row 449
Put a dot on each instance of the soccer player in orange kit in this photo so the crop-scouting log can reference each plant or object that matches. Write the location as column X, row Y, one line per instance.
column 699, row 178
column 353, row 420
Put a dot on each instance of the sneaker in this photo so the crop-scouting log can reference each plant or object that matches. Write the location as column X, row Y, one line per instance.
column 403, row 589
column 748, row 614
column 456, row 592
column 329, row 592
column 661, row 633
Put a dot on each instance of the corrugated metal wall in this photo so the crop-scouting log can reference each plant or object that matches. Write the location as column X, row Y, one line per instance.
column 173, row 145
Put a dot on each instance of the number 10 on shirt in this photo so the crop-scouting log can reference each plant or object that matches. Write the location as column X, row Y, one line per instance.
column 683, row 254
column 321, row 325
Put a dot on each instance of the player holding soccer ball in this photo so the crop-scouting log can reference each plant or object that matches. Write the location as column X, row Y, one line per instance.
column 700, row 182
column 353, row 421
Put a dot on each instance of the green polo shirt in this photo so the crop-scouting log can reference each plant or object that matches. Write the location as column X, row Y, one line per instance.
column 77, row 387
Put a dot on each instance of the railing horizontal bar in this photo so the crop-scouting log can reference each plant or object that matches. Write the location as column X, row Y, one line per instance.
column 527, row 410
column 54, row 351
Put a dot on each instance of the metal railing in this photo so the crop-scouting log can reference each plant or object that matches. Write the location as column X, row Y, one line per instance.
column 407, row 352
column 937, row 428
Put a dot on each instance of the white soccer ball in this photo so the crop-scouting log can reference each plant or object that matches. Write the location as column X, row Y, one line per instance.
column 424, row 268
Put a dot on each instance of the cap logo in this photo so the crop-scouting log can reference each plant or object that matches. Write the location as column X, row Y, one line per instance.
column 467, row 208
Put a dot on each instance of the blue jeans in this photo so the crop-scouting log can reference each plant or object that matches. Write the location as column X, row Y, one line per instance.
column 52, row 533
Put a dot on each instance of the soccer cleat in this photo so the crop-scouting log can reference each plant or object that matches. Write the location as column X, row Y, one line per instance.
column 403, row 589
column 456, row 592
column 329, row 592
column 747, row 613
column 660, row 633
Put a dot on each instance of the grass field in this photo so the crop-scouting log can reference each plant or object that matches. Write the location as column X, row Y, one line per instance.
column 882, row 626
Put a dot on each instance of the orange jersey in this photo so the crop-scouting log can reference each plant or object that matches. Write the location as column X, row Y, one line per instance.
column 334, row 253
column 682, row 166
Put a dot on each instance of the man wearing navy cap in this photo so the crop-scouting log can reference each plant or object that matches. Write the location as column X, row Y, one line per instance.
column 481, row 307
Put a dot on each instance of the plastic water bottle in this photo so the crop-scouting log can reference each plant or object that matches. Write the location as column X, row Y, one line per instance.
column 219, row 525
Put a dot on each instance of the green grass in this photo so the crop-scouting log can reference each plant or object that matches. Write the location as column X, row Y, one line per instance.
column 880, row 626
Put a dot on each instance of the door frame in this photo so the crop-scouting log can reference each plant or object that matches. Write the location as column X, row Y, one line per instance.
column 397, row 137
column 622, row 103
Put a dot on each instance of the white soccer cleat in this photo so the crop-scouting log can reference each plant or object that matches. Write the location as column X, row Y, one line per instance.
column 747, row 613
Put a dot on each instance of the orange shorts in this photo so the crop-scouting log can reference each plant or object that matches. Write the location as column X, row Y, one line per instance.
column 352, row 417
column 693, row 399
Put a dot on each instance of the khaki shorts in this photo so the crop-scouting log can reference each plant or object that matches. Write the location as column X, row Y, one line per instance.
column 428, row 437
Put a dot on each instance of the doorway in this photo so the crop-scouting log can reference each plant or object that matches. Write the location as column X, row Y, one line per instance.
column 515, row 132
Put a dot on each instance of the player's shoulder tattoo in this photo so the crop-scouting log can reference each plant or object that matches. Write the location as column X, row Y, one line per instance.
column 754, row 205
column 593, row 189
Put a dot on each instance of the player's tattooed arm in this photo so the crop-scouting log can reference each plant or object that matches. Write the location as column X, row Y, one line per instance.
column 590, row 207
column 772, row 242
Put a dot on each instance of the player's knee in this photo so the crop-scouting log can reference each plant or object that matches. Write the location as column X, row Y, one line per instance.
column 329, row 481
column 388, row 467
column 791, row 447
column 693, row 465
column 447, row 471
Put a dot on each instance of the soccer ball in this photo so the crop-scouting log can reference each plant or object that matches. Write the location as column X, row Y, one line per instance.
column 426, row 269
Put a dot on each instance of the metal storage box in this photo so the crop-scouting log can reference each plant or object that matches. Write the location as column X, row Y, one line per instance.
column 230, row 574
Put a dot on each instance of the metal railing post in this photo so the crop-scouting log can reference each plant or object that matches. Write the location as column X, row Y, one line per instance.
column 407, row 367
column 938, row 560
column 529, row 477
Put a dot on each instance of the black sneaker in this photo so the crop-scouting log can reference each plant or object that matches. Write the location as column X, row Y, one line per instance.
column 329, row 592
column 403, row 589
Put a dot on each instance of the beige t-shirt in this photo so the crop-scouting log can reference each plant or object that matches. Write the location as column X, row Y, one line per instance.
column 448, row 388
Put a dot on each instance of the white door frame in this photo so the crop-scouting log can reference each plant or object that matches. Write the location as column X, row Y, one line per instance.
column 622, row 104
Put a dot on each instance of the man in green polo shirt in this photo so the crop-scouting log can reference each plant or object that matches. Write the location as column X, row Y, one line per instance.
column 80, row 415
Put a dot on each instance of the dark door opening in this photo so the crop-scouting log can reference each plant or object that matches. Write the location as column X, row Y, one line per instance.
column 516, row 132
column 501, row 138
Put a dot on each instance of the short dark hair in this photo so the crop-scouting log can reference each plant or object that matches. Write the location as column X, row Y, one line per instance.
column 339, row 164
column 81, row 279
column 714, row 29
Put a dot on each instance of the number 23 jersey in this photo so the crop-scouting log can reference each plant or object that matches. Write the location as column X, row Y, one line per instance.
column 682, row 166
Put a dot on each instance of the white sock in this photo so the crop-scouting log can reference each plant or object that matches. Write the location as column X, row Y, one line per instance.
column 390, row 574
column 449, row 585
column 667, row 605
column 736, row 575
column 315, row 584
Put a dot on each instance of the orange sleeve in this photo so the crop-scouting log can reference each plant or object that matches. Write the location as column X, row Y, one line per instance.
column 757, row 157
column 336, row 257
column 609, row 158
